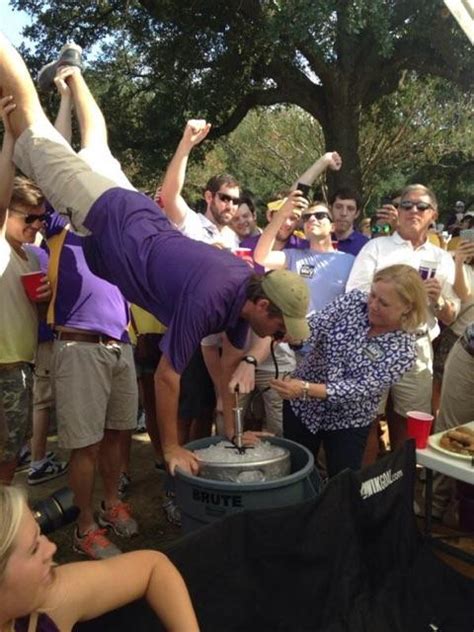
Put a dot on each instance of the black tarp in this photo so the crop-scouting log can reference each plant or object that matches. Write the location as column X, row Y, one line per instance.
column 351, row 560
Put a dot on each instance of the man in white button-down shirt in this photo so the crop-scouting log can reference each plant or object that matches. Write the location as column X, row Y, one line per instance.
column 409, row 244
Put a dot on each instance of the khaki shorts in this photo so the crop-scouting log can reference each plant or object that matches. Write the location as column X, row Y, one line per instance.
column 16, row 390
column 68, row 181
column 95, row 388
column 414, row 389
column 42, row 388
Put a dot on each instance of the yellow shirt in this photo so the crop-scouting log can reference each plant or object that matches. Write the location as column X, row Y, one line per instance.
column 145, row 323
column 18, row 315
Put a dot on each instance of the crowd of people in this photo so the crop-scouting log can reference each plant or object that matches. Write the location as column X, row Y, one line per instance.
column 142, row 298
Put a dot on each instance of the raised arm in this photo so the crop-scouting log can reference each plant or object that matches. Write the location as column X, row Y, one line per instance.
column 330, row 160
column 63, row 118
column 461, row 285
column 264, row 253
column 174, row 205
column 7, row 168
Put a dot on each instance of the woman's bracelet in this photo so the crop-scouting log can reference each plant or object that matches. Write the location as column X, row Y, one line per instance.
column 305, row 391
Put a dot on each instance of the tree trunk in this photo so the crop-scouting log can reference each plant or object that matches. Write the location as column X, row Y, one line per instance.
column 341, row 134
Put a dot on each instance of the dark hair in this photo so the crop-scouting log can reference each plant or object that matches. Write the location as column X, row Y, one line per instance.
column 255, row 292
column 214, row 184
column 246, row 197
column 346, row 193
column 26, row 192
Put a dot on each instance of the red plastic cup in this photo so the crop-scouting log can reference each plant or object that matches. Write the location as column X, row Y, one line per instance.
column 419, row 427
column 245, row 254
column 31, row 282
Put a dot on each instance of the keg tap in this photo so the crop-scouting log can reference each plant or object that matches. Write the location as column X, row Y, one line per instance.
column 238, row 438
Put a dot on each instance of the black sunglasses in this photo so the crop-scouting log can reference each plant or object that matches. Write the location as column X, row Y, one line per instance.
column 30, row 218
column 407, row 205
column 319, row 215
column 380, row 229
column 223, row 197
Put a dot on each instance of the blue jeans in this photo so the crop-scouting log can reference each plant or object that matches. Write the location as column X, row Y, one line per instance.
column 343, row 448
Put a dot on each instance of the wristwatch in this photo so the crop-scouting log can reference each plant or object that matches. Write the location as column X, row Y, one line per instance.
column 250, row 360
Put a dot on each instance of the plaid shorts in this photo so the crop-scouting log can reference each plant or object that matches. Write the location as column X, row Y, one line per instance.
column 16, row 406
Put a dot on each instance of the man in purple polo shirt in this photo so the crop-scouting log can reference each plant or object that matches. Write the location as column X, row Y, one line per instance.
column 346, row 206
column 193, row 288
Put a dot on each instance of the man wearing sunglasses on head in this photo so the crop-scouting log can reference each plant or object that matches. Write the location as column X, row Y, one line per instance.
column 221, row 195
column 409, row 244
column 21, row 217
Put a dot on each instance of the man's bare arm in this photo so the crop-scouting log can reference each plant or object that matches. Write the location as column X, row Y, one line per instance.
column 167, row 386
column 330, row 160
column 175, row 206
column 7, row 168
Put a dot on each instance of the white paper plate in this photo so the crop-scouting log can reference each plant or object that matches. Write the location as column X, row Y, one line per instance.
column 434, row 440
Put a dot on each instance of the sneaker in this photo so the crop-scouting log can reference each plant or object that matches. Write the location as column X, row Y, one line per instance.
column 118, row 518
column 94, row 544
column 24, row 460
column 49, row 470
column 69, row 55
column 172, row 512
column 124, row 483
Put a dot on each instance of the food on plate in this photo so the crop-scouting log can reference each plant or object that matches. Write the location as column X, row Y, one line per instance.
column 459, row 440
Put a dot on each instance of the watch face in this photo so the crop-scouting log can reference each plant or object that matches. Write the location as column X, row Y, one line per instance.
column 250, row 360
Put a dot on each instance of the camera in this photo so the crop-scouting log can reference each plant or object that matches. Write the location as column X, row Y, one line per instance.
column 55, row 511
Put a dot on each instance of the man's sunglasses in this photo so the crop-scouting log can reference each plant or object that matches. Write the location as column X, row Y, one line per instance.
column 30, row 218
column 380, row 229
column 223, row 197
column 407, row 205
column 319, row 215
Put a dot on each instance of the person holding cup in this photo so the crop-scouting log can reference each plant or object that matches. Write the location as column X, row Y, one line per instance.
column 409, row 244
column 21, row 217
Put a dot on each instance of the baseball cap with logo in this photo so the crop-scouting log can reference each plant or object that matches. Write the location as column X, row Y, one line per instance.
column 290, row 294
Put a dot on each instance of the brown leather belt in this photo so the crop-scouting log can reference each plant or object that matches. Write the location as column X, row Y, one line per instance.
column 75, row 336
column 11, row 365
column 467, row 347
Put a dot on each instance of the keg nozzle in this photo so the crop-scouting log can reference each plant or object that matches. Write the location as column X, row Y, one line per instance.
column 237, row 439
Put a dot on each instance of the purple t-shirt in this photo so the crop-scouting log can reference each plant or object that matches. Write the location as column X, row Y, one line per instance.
column 193, row 288
column 353, row 244
column 81, row 300
column 292, row 242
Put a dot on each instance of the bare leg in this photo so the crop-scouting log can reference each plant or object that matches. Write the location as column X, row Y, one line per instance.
column 81, row 479
column 109, row 465
column 125, row 446
column 148, row 389
column 15, row 80
column 89, row 115
column 40, row 434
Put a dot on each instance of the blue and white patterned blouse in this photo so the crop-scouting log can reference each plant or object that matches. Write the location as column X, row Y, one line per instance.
column 355, row 368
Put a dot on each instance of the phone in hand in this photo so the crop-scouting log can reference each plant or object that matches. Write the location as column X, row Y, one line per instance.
column 304, row 188
column 467, row 234
column 386, row 200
